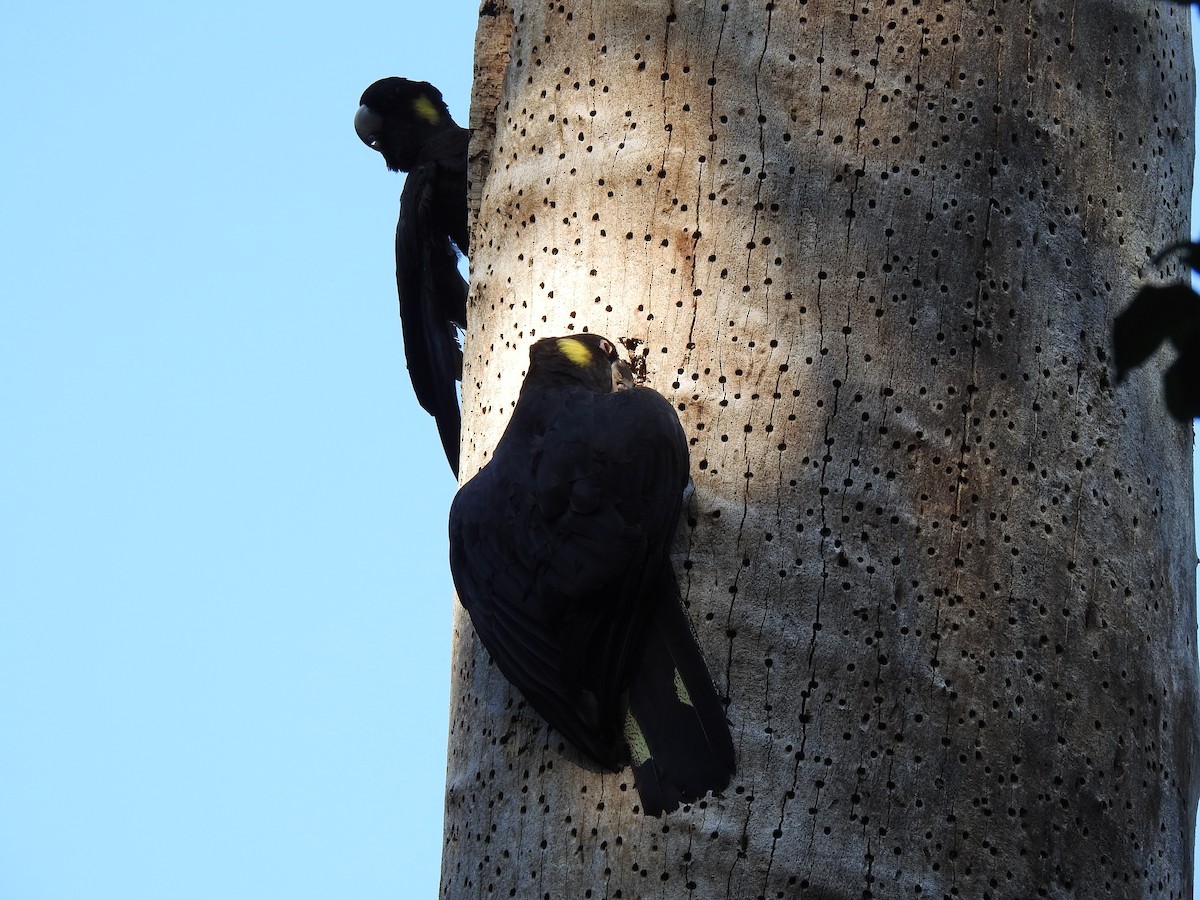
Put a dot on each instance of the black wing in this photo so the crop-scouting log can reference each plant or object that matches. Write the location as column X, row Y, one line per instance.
column 558, row 548
column 449, row 150
column 433, row 300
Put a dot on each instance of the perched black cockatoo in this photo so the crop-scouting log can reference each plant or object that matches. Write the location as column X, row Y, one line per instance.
column 408, row 122
column 560, row 551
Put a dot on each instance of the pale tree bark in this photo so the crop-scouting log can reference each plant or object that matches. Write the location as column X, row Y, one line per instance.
column 942, row 566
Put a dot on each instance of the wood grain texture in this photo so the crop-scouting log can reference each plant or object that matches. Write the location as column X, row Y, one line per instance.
column 942, row 566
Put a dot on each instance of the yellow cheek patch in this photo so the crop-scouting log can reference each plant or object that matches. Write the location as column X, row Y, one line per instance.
column 576, row 351
column 424, row 108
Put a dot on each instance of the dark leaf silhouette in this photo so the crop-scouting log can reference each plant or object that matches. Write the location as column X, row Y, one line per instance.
column 1161, row 313
column 1187, row 251
column 1157, row 313
column 1181, row 383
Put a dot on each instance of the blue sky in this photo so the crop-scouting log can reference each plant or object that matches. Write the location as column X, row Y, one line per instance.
column 224, row 638
column 224, row 635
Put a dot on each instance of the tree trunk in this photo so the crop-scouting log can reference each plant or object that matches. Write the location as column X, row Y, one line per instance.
column 942, row 566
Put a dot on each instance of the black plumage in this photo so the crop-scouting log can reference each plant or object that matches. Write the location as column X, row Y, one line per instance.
column 560, row 551
column 409, row 123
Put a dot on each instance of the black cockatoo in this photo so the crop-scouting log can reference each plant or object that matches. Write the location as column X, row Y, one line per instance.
column 560, row 551
column 408, row 122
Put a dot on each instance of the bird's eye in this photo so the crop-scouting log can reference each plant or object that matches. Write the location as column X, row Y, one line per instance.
column 608, row 350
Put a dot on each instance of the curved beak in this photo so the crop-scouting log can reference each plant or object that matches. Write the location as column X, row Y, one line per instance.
column 622, row 376
column 367, row 125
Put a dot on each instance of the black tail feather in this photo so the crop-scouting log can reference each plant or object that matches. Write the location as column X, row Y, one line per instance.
column 679, row 740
